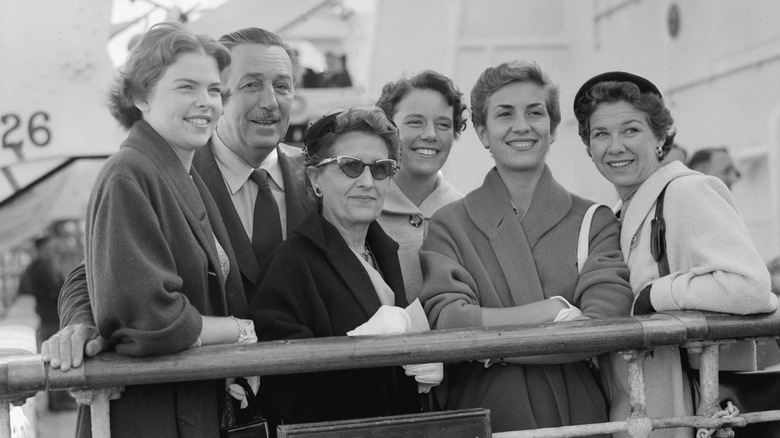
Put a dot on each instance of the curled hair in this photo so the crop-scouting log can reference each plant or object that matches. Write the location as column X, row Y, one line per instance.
column 394, row 92
column 158, row 49
column 319, row 138
column 256, row 35
column 493, row 78
column 658, row 116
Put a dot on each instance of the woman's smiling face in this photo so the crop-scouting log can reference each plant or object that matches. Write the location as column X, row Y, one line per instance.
column 425, row 125
column 623, row 146
column 517, row 126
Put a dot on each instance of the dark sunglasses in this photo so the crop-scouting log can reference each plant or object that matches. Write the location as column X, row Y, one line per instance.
column 353, row 167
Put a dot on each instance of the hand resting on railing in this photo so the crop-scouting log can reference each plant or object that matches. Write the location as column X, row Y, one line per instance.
column 67, row 347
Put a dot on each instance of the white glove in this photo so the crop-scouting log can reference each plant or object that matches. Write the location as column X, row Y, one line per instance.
column 387, row 320
column 427, row 375
column 238, row 393
column 569, row 313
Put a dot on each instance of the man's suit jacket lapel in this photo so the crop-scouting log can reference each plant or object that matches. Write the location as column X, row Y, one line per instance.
column 296, row 199
column 206, row 165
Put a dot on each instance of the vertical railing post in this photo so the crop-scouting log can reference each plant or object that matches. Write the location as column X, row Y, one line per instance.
column 5, row 419
column 639, row 425
column 99, row 401
column 709, row 388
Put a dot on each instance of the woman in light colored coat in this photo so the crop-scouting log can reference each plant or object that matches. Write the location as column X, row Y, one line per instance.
column 712, row 263
column 507, row 254
column 429, row 112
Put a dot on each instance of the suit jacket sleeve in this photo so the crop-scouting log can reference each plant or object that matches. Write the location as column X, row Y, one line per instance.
column 133, row 281
column 73, row 302
column 603, row 288
column 706, row 232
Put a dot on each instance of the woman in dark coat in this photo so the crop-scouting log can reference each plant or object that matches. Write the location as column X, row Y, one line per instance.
column 158, row 258
column 339, row 274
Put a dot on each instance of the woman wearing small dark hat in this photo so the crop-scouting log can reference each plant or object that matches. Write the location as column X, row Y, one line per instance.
column 705, row 261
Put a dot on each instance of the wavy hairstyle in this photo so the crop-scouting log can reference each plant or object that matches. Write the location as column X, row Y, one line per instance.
column 394, row 92
column 493, row 78
column 658, row 116
column 157, row 49
column 322, row 134
column 256, row 35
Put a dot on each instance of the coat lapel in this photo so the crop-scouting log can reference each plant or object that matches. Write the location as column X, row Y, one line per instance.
column 150, row 143
column 343, row 261
column 491, row 211
column 235, row 300
column 206, row 166
column 550, row 204
column 643, row 202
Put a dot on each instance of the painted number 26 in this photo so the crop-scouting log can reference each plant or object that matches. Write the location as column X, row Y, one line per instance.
column 38, row 133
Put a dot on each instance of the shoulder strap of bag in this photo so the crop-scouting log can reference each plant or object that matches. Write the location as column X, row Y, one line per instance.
column 584, row 239
column 658, row 236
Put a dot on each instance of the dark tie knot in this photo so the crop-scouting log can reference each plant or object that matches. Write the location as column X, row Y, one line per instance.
column 260, row 177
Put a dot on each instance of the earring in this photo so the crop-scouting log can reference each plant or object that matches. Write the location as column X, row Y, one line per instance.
column 318, row 192
column 659, row 152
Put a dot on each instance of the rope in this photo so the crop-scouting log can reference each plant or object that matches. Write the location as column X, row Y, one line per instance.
column 730, row 411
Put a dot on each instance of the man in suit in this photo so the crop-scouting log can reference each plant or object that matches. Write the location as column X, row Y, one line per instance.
column 260, row 81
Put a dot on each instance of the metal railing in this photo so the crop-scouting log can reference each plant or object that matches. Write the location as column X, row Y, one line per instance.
column 23, row 376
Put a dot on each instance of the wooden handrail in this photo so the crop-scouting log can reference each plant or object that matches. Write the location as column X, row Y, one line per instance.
column 25, row 374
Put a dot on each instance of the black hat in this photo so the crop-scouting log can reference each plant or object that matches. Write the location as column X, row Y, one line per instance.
column 644, row 85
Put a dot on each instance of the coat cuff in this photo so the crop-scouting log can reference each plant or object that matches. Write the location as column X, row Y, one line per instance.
column 661, row 296
column 643, row 305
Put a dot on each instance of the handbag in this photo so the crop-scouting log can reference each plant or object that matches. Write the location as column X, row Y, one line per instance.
column 243, row 423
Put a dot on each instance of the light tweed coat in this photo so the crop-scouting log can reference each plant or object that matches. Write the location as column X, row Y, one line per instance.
column 407, row 224
column 714, row 267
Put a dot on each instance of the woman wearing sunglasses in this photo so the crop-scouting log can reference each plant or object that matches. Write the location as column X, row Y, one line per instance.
column 338, row 274
column 507, row 254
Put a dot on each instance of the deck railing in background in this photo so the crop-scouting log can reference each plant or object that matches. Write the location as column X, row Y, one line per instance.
column 23, row 376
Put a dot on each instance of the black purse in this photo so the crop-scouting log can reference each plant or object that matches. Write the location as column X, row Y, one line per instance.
column 243, row 423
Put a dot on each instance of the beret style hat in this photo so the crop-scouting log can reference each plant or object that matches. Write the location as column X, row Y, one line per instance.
column 644, row 85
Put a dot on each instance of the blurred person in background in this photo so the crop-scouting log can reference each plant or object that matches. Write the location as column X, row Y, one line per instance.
column 338, row 274
column 506, row 254
column 43, row 280
column 706, row 260
column 429, row 111
column 716, row 162
column 676, row 153
column 336, row 74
